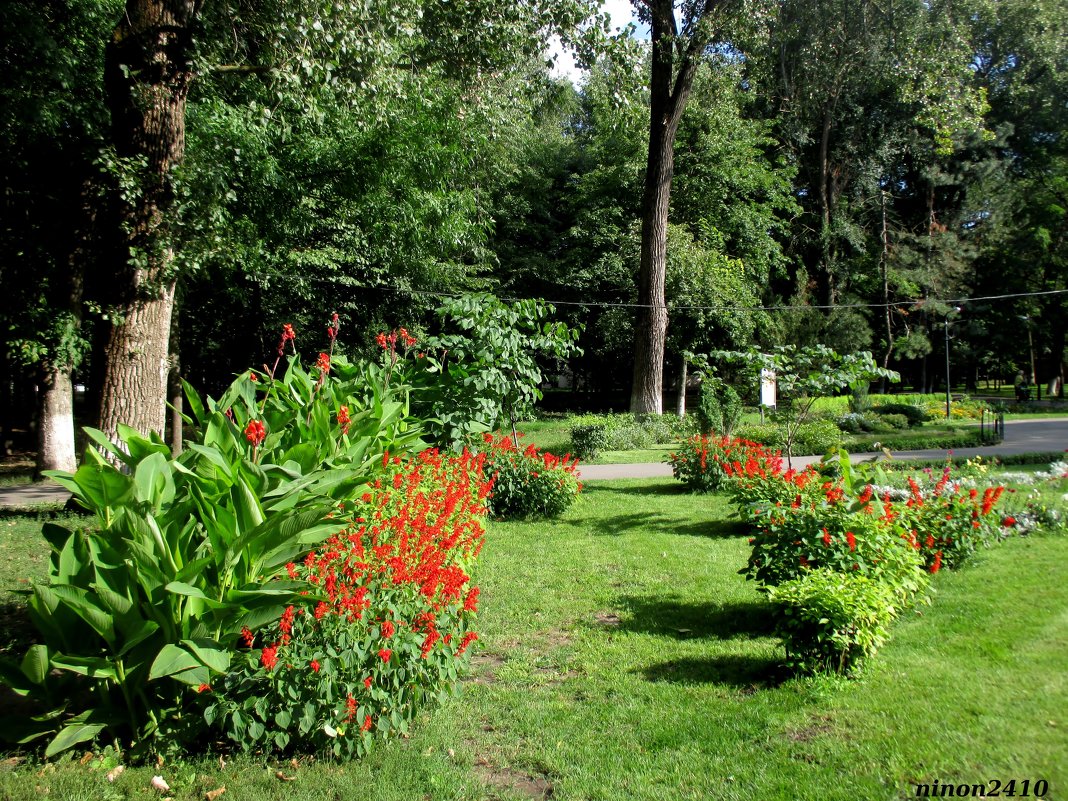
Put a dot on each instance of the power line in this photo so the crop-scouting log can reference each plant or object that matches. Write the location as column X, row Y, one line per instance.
column 918, row 303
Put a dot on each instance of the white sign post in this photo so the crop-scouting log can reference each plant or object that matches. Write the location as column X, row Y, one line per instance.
column 767, row 390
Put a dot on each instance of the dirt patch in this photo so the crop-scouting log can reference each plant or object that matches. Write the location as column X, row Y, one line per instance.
column 609, row 620
column 484, row 668
column 498, row 778
column 819, row 727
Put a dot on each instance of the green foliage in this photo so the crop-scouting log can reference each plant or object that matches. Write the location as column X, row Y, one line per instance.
column 765, row 433
column 829, row 528
column 914, row 415
column 719, row 408
column 803, row 375
column 626, row 432
column 831, row 622
column 587, row 441
column 527, row 484
column 484, row 369
column 816, row 438
column 188, row 550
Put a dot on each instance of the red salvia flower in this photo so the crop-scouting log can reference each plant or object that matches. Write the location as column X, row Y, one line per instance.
column 269, row 657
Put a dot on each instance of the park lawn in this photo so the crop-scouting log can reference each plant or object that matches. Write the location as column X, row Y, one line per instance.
column 624, row 658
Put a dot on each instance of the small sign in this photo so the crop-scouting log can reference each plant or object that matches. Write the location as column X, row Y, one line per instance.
column 767, row 388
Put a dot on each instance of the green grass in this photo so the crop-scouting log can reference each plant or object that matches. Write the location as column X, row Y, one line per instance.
column 624, row 658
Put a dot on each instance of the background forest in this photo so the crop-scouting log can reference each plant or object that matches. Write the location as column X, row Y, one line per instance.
column 845, row 172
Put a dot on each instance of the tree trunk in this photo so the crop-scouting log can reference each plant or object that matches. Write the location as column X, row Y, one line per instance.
column 55, row 423
column 174, row 388
column 147, row 75
column 884, row 267
column 668, row 93
column 680, row 405
column 651, row 332
column 56, row 448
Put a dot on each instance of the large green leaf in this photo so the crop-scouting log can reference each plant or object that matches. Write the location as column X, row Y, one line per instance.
column 172, row 659
column 35, row 663
column 71, row 735
column 94, row 667
column 79, row 601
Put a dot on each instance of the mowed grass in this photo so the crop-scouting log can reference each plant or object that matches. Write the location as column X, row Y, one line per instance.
column 623, row 657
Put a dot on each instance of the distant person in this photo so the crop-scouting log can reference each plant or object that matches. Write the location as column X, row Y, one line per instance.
column 1022, row 386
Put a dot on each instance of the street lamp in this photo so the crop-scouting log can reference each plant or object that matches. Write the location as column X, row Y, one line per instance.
column 949, row 399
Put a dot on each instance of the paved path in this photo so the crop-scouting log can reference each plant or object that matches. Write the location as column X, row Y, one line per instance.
column 1021, row 436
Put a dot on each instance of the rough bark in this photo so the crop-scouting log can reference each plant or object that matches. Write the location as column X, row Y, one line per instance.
column 669, row 91
column 147, row 76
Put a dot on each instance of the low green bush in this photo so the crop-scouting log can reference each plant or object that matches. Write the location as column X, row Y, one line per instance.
column 895, row 422
column 816, row 437
column 624, row 432
column 765, row 433
column 917, row 440
column 830, row 622
column 914, row 415
column 587, row 441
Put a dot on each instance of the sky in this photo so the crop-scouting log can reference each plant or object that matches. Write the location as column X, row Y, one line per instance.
column 620, row 11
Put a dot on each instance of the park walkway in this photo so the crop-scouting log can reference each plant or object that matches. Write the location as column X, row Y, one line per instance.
column 1021, row 436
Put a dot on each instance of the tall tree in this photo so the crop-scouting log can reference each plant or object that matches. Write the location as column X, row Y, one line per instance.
column 679, row 47
column 314, row 56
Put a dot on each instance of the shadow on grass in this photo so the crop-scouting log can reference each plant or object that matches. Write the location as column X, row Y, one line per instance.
column 748, row 672
column 17, row 632
column 617, row 525
column 653, row 614
column 660, row 488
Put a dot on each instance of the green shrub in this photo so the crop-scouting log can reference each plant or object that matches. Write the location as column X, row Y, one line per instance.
column 824, row 527
column 816, row 438
column 764, row 433
column 528, row 484
column 914, row 415
column 587, row 441
column 719, row 408
column 909, row 440
column 624, row 432
column 830, row 622
column 854, row 423
column 895, row 422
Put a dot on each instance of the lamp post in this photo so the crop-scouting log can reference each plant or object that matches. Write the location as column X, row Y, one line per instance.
column 949, row 398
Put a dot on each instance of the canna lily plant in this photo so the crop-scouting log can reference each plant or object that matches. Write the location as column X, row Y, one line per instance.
column 147, row 605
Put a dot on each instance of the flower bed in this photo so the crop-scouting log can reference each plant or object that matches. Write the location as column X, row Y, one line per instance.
column 387, row 628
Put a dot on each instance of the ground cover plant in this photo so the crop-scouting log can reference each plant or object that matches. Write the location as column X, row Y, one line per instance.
column 658, row 677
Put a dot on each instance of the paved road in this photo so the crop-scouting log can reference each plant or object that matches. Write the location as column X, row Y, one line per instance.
column 1021, row 436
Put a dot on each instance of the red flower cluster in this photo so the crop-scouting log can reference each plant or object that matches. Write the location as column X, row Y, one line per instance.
column 288, row 335
column 343, row 419
column 323, row 363
column 416, row 529
column 255, row 432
